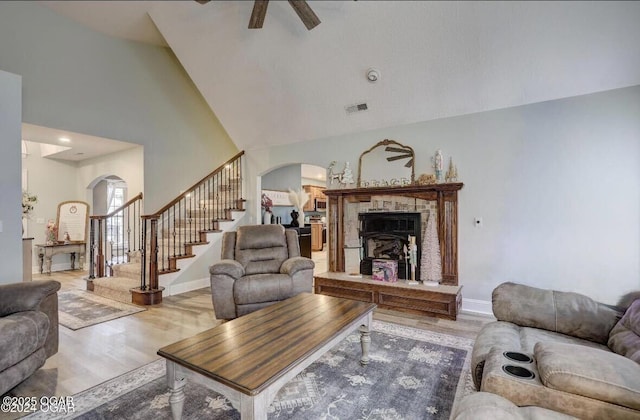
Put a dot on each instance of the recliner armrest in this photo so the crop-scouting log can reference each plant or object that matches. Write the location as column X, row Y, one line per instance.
column 589, row 372
column 230, row 268
column 295, row 264
column 25, row 296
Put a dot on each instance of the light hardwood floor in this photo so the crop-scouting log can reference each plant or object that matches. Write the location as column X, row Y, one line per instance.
column 92, row 355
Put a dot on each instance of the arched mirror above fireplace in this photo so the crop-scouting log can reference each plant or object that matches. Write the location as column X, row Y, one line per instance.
column 386, row 163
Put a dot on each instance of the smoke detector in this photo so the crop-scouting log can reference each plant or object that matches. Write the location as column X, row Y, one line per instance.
column 373, row 75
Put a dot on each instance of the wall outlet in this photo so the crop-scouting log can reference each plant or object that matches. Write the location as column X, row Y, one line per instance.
column 1, row 226
column 40, row 221
column 477, row 222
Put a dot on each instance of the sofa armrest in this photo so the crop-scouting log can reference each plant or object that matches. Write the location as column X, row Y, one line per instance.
column 230, row 268
column 593, row 373
column 295, row 264
column 564, row 312
column 25, row 296
column 223, row 278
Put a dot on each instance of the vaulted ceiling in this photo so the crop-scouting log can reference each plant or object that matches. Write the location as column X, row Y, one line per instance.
column 283, row 83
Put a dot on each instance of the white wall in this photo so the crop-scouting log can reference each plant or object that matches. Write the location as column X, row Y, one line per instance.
column 555, row 182
column 83, row 81
column 127, row 165
column 10, row 178
column 283, row 179
column 54, row 181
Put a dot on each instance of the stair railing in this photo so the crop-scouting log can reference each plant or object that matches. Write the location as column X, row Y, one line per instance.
column 113, row 236
column 170, row 233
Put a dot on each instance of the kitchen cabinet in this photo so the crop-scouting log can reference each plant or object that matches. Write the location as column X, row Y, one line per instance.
column 315, row 193
column 316, row 236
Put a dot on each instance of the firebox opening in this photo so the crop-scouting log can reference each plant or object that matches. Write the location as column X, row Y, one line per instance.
column 386, row 236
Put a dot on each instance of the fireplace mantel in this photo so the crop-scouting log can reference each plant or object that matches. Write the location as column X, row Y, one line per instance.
column 446, row 196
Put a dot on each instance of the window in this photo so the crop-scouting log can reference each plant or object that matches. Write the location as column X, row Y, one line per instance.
column 116, row 197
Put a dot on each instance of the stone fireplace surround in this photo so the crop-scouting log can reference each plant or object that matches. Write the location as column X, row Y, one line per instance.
column 345, row 205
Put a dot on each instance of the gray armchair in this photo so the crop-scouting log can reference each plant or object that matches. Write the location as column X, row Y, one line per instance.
column 260, row 265
column 28, row 329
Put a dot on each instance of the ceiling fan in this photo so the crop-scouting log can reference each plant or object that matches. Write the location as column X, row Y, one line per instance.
column 301, row 8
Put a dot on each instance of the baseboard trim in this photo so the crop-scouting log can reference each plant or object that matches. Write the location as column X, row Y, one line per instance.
column 176, row 289
column 476, row 307
column 54, row 267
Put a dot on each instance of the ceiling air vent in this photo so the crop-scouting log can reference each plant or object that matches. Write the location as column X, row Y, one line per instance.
column 352, row 109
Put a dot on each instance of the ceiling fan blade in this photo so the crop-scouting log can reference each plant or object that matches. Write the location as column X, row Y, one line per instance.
column 305, row 13
column 203, row 1
column 258, row 14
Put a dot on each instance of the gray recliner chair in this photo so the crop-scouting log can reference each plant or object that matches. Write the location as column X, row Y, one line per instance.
column 28, row 329
column 260, row 265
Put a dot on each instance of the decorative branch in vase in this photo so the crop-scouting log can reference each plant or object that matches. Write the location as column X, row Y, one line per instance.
column 51, row 233
column 298, row 199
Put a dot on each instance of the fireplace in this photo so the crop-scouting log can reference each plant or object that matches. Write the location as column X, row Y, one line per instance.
column 384, row 235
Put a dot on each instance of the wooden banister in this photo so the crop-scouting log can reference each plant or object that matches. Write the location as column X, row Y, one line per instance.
column 171, row 233
column 194, row 186
column 127, row 215
column 119, row 209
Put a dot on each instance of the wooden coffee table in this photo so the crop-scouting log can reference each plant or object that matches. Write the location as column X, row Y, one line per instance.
column 250, row 358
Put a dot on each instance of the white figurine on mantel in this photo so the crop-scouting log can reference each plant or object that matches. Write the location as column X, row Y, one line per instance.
column 347, row 175
column 452, row 172
column 333, row 176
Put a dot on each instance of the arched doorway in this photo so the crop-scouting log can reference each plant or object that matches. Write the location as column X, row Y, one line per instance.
column 312, row 179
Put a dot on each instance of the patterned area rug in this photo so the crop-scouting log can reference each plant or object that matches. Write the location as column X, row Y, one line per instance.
column 412, row 374
column 78, row 309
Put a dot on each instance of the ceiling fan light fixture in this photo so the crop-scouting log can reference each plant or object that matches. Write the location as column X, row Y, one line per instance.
column 373, row 75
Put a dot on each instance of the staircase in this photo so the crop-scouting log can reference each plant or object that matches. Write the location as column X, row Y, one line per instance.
column 172, row 240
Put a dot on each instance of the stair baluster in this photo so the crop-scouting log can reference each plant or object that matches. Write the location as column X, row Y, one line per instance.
column 171, row 233
column 107, row 234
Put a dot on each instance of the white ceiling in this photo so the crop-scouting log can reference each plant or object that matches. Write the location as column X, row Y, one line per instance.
column 80, row 146
column 283, row 84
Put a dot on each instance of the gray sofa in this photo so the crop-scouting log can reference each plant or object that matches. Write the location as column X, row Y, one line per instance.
column 260, row 265
column 561, row 351
column 485, row 406
column 28, row 329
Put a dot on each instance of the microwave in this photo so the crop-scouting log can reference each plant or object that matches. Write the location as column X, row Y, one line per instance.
column 320, row 204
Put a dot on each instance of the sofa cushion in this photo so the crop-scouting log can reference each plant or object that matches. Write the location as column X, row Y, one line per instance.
column 259, row 288
column 625, row 336
column 21, row 334
column 590, row 372
column 564, row 312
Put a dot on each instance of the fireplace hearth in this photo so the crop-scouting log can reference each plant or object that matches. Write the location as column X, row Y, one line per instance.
column 385, row 235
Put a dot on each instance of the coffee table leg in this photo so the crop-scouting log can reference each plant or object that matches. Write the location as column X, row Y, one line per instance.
column 176, row 384
column 365, row 341
column 253, row 407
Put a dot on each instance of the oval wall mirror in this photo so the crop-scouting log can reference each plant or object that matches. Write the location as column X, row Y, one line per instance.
column 387, row 162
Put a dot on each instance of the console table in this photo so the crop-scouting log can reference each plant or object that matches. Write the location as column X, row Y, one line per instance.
column 46, row 252
column 441, row 301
